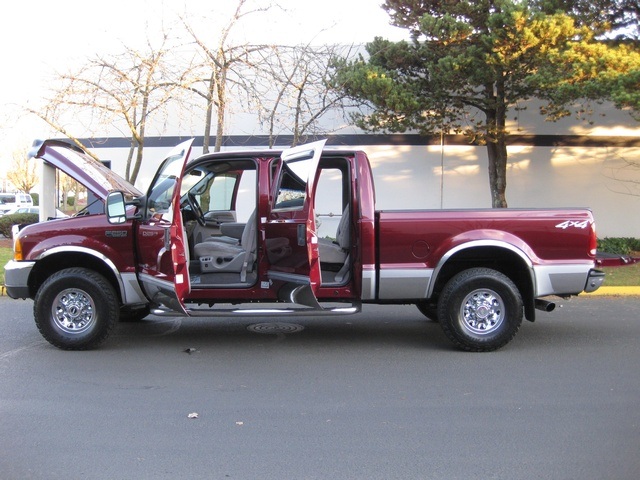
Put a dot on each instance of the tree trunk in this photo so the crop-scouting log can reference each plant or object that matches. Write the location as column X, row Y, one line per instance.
column 136, row 168
column 496, row 118
column 141, row 137
column 222, row 105
column 209, row 114
column 127, row 172
column 497, row 153
column 219, row 130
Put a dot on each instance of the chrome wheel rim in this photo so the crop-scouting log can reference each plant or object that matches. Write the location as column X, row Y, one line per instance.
column 73, row 311
column 482, row 312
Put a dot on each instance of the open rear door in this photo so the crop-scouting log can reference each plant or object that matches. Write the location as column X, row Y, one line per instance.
column 291, row 239
column 163, row 251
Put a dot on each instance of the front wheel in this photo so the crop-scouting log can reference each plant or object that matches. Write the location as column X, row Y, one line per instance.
column 480, row 310
column 76, row 309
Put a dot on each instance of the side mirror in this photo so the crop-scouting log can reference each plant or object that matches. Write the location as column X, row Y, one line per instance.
column 115, row 208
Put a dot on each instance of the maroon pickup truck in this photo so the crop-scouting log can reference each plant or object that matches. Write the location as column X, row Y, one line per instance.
column 294, row 232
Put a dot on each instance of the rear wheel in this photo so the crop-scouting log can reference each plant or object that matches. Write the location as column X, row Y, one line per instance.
column 76, row 309
column 480, row 309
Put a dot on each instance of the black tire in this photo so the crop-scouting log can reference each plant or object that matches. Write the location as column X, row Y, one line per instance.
column 428, row 310
column 76, row 309
column 480, row 310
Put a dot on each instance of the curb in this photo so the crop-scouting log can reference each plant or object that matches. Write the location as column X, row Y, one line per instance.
column 614, row 292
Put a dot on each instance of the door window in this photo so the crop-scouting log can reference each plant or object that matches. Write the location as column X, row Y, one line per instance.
column 293, row 184
column 162, row 189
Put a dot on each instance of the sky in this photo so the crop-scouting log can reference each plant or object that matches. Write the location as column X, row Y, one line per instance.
column 40, row 37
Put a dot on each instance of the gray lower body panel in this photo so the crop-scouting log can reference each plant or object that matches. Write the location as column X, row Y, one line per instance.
column 408, row 283
column 568, row 279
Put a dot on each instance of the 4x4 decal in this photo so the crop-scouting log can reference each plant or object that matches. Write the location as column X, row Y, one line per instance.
column 571, row 223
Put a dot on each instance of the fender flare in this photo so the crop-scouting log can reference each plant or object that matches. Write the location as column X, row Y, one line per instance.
column 474, row 244
column 130, row 292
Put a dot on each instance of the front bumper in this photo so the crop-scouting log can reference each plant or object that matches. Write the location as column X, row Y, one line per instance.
column 594, row 280
column 16, row 278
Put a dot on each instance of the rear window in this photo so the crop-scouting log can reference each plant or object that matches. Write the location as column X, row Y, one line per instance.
column 4, row 199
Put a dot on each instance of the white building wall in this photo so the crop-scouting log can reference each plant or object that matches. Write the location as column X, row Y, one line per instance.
column 602, row 176
column 409, row 177
column 537, row 177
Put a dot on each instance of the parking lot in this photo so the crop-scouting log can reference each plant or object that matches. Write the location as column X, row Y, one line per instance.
column 379, row 395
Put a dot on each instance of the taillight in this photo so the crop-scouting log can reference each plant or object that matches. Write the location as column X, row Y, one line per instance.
column 593, row 240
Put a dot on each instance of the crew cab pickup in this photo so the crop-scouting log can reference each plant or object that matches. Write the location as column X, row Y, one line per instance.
column 291, row 232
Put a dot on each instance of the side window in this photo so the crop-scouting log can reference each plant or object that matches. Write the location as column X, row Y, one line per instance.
column 329, row 202
column 233, row 192
column 5, row 199
column 221, row 192
column 246, row 200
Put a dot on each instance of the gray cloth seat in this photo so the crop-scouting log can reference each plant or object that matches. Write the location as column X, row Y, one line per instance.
column 223, row 256
column 336, row 251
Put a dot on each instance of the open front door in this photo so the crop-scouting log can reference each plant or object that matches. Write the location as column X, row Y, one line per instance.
column 163, row 251
column 291, row 239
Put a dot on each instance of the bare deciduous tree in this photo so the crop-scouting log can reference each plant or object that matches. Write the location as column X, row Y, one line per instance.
column 221, row 68
column 121, row 92
column 23, row 173
column 624, row 173
column 68, row 187
column 297, row 92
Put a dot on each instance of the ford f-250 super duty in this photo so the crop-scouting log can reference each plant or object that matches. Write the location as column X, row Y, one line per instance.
column 240, row 233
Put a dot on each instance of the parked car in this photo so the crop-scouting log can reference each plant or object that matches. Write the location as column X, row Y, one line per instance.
column 36, row 210
column 17, row 218
column 9, row 201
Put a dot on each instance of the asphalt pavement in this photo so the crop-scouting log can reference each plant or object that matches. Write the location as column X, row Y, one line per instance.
column 378, row 395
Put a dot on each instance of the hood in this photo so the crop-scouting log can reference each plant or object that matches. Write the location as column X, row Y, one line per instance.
column 84, row 169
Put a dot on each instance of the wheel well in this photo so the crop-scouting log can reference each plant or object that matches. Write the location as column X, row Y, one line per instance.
column 505, row 261
column 47, row 266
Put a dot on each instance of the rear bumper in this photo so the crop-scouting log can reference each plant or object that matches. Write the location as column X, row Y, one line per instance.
column 16, row 278
column 594, row 280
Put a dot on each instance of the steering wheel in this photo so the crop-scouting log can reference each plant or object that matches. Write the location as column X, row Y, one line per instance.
column 196, row 209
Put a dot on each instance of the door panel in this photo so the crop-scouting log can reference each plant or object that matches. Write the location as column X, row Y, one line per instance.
column 291, row 239
column 162, row 247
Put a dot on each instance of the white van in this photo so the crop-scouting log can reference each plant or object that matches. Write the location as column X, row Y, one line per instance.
column 9, row 201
